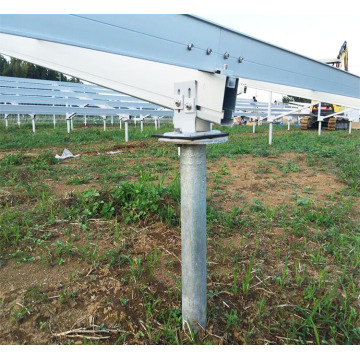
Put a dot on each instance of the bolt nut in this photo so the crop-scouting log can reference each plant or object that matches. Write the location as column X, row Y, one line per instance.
column 226, row 55
column 240, row 59
column 188, row 106
column 177, row 102
column 208, row 51
column 190, row 46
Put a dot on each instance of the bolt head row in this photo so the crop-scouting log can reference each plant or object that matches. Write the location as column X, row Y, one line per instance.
column 209, row 51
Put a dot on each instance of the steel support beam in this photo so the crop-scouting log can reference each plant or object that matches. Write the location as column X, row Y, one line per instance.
column 185, row 41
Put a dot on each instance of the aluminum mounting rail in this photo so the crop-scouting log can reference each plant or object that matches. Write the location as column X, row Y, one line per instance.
column 260, row 108
column 42, row 100
column 63, row 110
column 5, row 90
column 13, row 84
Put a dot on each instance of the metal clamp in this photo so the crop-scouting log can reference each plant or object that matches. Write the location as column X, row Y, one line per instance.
column 185, row 106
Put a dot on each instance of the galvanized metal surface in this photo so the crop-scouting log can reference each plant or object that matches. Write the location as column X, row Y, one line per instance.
column 126, row 131
column 169, row 42
column 207, row 138
column 193, row 235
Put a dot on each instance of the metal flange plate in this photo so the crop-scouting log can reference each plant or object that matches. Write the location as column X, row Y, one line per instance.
column 197, row 138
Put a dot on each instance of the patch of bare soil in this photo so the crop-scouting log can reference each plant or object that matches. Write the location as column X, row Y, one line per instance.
column 275, row 180
column 92, row 149
column 27, row 154
column 44, row 304
column 61, row 189
column 16, row 276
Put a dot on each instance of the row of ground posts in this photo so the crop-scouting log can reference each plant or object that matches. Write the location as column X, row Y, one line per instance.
column 70, row 122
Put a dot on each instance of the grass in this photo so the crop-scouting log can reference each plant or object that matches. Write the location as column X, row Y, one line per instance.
column 277, row 273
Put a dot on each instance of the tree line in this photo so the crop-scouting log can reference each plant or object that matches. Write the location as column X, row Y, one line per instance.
column 22, row 69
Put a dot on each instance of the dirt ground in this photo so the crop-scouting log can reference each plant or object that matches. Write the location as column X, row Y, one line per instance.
column 250, row 178
column 76, row 296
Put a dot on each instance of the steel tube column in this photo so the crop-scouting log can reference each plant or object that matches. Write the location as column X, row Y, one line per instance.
column 193, row 235
column 319, row 119
column 54, row 120
column 254, row 124
column 126, row 131
column 18, row 120
column 270, row 119
column 319, row 128
column 270, row 133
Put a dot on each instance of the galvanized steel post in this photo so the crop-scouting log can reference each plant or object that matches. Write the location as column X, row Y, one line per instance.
column 68, row 125
column 254, row 124
column 18, row 120
column 33, row 123
column 54, row 120
column 319, row 119
column 126, row 131
column 270, row 132
column 193, row 235
column 270, row 119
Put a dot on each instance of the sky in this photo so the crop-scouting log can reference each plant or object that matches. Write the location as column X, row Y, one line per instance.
column 314, row 35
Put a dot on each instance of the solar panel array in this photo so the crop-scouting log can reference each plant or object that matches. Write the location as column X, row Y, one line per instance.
column 43, row 97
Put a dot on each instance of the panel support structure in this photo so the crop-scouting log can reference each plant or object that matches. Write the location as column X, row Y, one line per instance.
column 193, row 200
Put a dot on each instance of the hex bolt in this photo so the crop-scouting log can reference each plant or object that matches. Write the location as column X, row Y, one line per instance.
column 190, row 46
column 208, row 51
column 226, row 55
column 177, row 102
column 188, row 106
column 240, row 59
